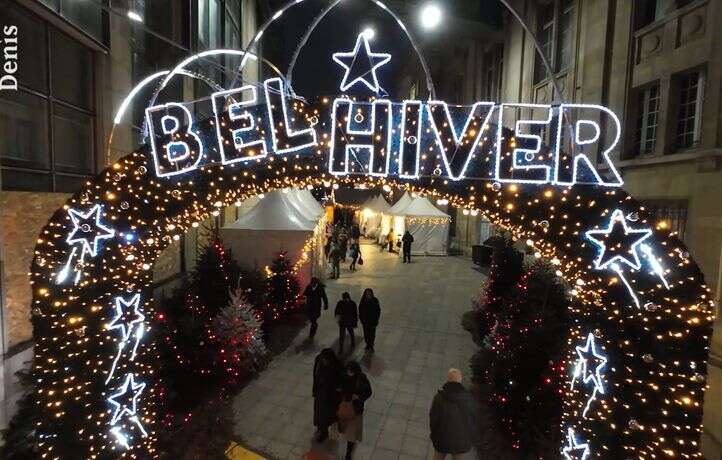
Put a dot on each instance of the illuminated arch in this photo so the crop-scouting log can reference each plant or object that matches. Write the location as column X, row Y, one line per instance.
column 647, row 325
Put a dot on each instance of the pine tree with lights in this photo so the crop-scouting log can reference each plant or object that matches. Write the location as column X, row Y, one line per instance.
column 237, row 332
column 525, row 367
column 282, row 289
column 185, row 333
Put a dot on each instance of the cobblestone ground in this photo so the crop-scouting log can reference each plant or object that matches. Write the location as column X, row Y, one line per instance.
column 418, row 339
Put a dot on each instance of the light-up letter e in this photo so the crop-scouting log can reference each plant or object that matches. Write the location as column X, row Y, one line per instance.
column 285, row 138
column 239, row 138
column 528, row 160
column 169, row 127
column 360, row 127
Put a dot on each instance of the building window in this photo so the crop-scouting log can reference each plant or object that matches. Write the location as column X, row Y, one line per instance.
column 646, row 135
column 671, row 214
column 689, row 115
column 554, row 34
column 47, row 127
column 89, row 16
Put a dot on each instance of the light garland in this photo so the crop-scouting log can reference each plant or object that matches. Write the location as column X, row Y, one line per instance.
column 646, row 400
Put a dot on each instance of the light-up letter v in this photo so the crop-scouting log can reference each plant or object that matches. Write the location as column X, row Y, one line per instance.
column 458, row 148
column 170, row 128
column 285, row 138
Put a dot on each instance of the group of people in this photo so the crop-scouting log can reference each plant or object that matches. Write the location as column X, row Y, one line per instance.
column 406, row 241
column 347, row 314
column 340, row 394
column 341, row 391
column 343, row 243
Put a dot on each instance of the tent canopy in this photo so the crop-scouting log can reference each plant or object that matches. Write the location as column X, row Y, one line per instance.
column 378, row 204
column 401, row 204
column 275, row 211
column 422, row 207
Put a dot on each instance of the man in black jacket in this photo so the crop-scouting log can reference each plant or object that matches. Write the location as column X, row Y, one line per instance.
column 347, row 316
column 369, row 312
column 315, row 294
column 452, row 419
column 406, row 241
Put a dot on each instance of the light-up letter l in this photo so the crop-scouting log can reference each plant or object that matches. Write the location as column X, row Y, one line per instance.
column 355, row 132
column 169, row 128
column 285, row 138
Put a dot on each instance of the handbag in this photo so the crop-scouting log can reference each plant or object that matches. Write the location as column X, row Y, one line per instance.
column 360, row 260
column 345, row 411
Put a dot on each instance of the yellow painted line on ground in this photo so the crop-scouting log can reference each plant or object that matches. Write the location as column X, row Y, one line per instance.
column 237, row 452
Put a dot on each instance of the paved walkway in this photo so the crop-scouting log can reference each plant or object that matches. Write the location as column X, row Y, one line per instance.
column 418, row 339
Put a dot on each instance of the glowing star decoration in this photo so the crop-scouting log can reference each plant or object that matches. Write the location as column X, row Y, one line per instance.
column 125, row 401
column 588, row 369
column 125, row 320
column 618, row 242
column 129, row 320
column 360, row 64
column 574, row 450
column 88, row 230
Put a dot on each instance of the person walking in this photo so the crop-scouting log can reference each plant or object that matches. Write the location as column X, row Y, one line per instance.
column 326, row 380
column 406, row 241
column 347, row 317
column 369, row 311
column 452, row 419
column 334, row 256
column 354, row 391
column 315, row 294
column 355, row 232
column 390, row 241
column 355, row 253
column 343, row 243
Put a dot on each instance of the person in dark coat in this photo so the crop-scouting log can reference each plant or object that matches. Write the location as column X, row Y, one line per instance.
column 315, row 294
column 355, row 251
column 452, row 419
column 369, row 312
column 334, row 256
column 406, row 241
column 355, row 389
column 355, row 232
column 347, row 316
column 326, row 380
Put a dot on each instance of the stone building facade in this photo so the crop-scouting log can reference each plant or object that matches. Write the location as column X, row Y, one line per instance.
column 658, row 65
column 77, row 63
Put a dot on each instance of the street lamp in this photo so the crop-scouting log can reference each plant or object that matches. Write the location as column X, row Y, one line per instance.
column 430, row 16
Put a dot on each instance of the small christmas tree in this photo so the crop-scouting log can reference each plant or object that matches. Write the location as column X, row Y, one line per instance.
column 237, row 331
column 282, row 289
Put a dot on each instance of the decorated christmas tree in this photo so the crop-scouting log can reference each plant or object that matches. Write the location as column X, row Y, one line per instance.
column 524, row 365
column 282, row 289
column 237, row 332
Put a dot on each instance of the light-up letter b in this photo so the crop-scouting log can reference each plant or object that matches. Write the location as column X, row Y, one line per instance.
column 175, row 146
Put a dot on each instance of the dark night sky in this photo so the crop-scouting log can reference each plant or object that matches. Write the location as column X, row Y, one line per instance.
column 316, row 73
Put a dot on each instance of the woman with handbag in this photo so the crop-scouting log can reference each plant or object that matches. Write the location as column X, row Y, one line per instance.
column 355, row 253
column 355, row 390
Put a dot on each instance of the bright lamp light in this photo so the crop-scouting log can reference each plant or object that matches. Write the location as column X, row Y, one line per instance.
column 369, row 33
column 430, row 16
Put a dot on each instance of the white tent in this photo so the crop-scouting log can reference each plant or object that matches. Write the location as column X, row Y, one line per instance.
column 309, row 202
column 428, row 225
column 371, row 215
column 276, row 224
column 387, row 217
column 246, row 205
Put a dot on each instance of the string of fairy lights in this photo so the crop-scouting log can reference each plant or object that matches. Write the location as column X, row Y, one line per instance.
column 641, row 313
